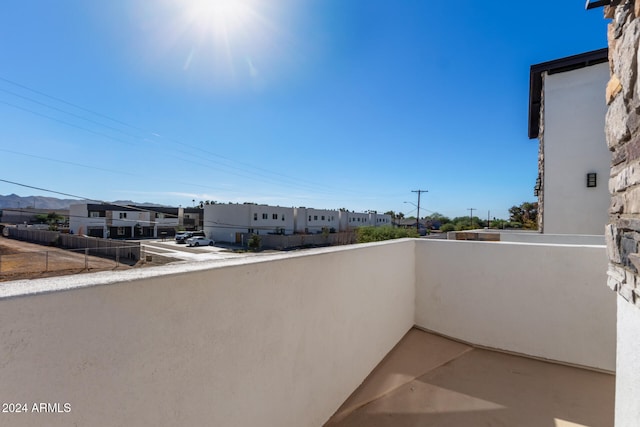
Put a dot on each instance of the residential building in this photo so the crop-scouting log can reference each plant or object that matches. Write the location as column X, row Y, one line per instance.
column 231, row 222
column 350, row 220
column 234, row 222
column 566, row 113
column 309, row 220
column 123, row 222
column 380, row 220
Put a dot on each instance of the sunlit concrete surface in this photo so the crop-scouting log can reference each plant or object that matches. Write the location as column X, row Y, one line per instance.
column 428, row 380
column 171, row 249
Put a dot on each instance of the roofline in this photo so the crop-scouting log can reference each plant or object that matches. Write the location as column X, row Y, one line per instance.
column 552, row 67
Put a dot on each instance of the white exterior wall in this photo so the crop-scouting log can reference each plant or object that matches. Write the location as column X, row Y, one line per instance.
column 380, row 220
column 222, row 222
column 316, row 223
column 627, row 372
column 350, row 220
column 132, row 218
column 276, row 341
column 542, row 300
column 574, row 145
column 269, row 225
column 535, row 237
column 79, row 221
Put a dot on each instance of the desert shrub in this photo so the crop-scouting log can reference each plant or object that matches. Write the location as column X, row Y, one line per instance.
column 447, row 227
column 254, row 242
column 377, row 234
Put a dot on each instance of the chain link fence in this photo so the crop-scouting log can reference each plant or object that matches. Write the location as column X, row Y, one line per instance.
column 69, row 254
column 20, row 265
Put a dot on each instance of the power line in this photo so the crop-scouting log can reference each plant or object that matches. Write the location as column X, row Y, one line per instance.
column 418, row 214
column 290, row 181
column 471, row 215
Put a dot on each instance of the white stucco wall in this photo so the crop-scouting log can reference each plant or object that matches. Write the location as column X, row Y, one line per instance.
column 543, row 300
column 628, row 374
column 535, row 237
column 80, row 222
column 268, row 341
column 574, row 145
column 354, row 219
column 380, row 220
column 222, row 222
column 316, row 223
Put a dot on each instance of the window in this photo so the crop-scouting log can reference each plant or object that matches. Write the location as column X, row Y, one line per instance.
column 283, row 217
column 323, row 217
column 94, row 214
column 255, row 217
column 309, row 217
column 120, row 230
column 315, row 217
column 123, row 215
column 265, row 216
column 274, row 216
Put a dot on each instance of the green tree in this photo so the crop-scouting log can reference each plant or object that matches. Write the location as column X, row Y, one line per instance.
column 52, row 218
column 525, row 214
column 447, row 227
column 436, row 220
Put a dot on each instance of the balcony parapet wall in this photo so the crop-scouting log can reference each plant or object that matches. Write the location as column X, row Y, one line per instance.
column 264, row 341
column 283, row 340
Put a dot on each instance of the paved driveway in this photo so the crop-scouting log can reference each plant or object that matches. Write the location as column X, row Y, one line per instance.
column 170, row 248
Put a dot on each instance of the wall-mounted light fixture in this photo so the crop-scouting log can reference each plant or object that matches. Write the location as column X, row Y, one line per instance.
column 538, row 187
column 598, row 3
column 592, row 179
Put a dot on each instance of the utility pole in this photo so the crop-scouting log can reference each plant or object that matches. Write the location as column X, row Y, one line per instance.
column 471, row 215
column 418, row 220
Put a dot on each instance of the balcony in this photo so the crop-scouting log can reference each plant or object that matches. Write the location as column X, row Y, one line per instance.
column 428, row 380
column 284, row 340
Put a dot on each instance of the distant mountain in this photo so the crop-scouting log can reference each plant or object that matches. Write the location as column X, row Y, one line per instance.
column 41, row 202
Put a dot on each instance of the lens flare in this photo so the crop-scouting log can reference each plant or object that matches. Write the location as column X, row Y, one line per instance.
column 224, row 44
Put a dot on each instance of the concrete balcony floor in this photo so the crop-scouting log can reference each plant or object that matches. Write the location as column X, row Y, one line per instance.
column 428, row 380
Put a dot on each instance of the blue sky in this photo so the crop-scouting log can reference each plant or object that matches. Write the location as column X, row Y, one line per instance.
column 317, row 103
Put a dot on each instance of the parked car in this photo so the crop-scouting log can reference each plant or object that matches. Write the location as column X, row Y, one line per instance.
column 182, row 237
column 199, row 241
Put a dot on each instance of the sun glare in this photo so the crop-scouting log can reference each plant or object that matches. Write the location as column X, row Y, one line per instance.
column 220, row 17
column 215, row 43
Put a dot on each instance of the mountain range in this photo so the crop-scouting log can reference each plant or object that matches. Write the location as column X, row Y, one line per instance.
column 41, row 202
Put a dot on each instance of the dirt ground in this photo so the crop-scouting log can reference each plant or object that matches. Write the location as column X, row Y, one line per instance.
column 22, row 260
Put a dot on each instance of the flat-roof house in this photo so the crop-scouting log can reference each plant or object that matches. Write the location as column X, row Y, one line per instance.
column 310, row 220
column 567, row 111
column 229, row 222
column 121, row 222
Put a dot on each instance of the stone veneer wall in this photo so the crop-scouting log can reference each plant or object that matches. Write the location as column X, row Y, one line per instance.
column 622, row 128
column 540, row 187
